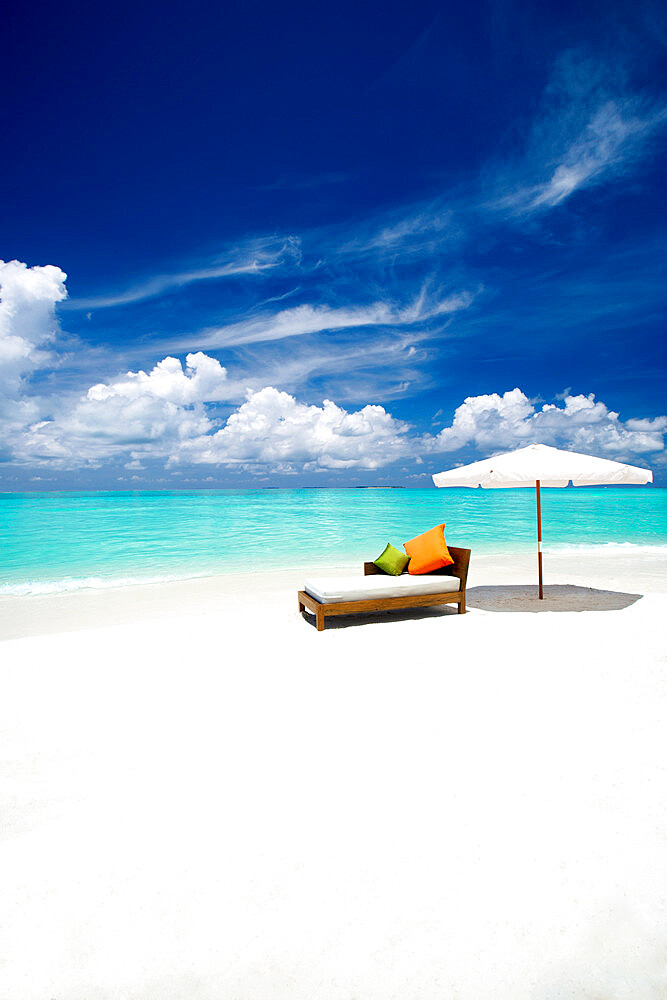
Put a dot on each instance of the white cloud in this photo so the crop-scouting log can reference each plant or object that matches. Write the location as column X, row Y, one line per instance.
column 148, row 413
column 608, row 140
column 353, row 371
column 203, row 381
column 170, row 414
column 420, row 228
column 173, row 412
column 482, row 420
column 493, row 423
column 252, row 258
column 167, row 414
column 587, row 129
column 273, row 429
column 305, row 319
column 28, row 296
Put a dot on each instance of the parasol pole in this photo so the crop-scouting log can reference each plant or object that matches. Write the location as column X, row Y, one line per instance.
column 539, row 538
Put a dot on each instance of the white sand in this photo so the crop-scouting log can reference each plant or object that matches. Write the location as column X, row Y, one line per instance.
column 204, row 798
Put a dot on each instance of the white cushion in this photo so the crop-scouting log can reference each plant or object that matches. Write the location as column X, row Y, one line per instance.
column 336, row 589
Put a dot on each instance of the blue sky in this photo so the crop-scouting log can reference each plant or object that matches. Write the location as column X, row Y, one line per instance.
column 329, row 245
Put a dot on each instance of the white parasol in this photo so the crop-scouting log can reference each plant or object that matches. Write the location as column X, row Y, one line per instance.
column 539, row 465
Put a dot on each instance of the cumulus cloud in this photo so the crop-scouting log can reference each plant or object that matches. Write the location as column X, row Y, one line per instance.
column 28, row 297
column 170, row 414
column 187, row 412
column 95, row 431
column 273, row 429
column 204, row 380
column 494, row 423
column 147, row 413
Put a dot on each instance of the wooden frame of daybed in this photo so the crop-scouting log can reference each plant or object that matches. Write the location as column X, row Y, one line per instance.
column 458, row 568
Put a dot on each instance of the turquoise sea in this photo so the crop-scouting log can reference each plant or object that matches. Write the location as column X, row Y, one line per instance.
column 66, row 541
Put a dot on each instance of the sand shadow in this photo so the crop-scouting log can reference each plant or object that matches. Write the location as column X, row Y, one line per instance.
column 510, row 597
column 557, row 597
column 382, row 617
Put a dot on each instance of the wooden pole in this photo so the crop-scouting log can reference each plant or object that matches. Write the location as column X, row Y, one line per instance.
column 539, row 538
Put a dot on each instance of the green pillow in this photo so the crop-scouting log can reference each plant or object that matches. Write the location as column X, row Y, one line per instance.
column 392, row 561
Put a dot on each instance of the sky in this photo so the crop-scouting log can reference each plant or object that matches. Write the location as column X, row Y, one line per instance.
column 251, row 244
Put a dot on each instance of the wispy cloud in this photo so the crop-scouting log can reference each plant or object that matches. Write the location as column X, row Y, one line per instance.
column 589, row 128
column 256, row 258
column 387, row 366
column 365, row 282
column 380, row 304
column 416, row 229
column 308, row 319
column 609, row 142
column 181, row 414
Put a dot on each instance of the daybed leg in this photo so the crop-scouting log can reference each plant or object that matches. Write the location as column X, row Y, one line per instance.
column 302, row 608
column 462, row 604
column 319, row 619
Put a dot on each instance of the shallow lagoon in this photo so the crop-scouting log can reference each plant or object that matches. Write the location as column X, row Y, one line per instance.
column 68, row 540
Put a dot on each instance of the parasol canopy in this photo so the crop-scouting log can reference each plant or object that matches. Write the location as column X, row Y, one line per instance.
column 540, row 465
column 552, row 466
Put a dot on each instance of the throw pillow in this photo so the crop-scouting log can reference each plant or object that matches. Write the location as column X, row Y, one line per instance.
column 428, row 552
column 391, row 561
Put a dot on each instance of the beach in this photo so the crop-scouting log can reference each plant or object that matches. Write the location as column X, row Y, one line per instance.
column 206, row 797
column 292, row 293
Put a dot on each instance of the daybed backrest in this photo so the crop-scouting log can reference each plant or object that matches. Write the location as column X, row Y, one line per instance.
column 458, row 568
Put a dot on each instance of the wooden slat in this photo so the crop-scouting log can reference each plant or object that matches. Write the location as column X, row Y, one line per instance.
column 389, row 603
column 322, row 611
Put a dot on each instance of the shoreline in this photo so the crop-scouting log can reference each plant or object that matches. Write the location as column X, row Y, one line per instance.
column 611, row 570
column 94, row 581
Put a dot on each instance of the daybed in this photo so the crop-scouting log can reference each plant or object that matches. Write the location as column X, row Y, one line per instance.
column 377, row 591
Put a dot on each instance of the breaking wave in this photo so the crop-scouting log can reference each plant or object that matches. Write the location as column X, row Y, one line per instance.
column 70, row 584
column 607, row 548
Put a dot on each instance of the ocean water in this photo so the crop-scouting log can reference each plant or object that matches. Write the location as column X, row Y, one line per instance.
column 52, row 542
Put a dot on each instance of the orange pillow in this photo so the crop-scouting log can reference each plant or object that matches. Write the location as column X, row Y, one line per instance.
column 428, row 551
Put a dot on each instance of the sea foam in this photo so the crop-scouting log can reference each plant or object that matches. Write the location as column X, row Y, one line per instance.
column 607, row 549
column 70, row 584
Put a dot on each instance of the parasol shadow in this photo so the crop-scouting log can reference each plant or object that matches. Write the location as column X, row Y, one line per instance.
column 557, row 597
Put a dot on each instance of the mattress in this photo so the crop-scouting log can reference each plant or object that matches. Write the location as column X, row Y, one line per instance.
column 336, row 589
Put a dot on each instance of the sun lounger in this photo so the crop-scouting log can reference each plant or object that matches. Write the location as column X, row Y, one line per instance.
column 376, row 591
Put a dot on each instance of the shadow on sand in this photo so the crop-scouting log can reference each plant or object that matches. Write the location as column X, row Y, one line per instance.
column 383, row 617
column 557, row 597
